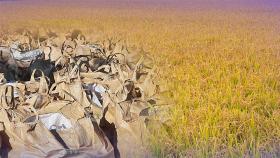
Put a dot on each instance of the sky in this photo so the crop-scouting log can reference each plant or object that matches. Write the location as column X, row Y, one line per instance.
column 269, row 4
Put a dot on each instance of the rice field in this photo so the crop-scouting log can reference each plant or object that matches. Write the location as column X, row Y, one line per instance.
column 221, row 67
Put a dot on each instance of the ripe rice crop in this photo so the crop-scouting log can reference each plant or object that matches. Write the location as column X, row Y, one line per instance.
column 221, row 66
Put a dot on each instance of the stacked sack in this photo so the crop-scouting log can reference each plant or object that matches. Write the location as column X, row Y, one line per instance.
column 73, row 98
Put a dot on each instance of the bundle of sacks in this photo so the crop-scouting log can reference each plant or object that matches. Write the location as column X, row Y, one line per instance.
column 65, row 96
